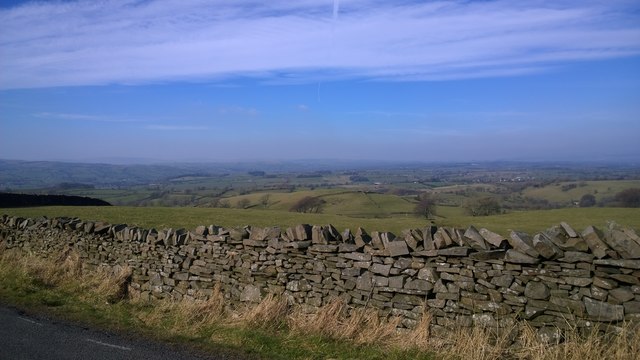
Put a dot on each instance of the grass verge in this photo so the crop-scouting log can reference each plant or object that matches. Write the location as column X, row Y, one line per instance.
column 64, row 287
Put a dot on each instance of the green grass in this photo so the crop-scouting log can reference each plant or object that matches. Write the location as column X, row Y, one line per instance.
column 161, row 217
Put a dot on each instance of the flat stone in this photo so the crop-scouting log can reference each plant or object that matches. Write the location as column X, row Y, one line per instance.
column 488, row 255
column 418, row 285
column 574, row 306
column 602, row 311
column 628, row 279
column 408, row 299
column 576, row 256
column 516, row 257
column 357, row 256
column 536, row 290
column 365, row 282
column 502, row 281
column 455, row 251
column 632, row 307
column 628, row 264
column 622, row 294
column 380, row 269
column 604, row 283
column 577, row 281
column 397, row 248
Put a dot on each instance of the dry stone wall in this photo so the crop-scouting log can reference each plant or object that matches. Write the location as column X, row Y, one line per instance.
column 556, row 279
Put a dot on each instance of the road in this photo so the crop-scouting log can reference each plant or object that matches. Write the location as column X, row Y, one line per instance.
column 31, row 337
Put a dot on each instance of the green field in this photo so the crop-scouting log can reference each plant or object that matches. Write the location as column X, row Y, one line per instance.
column 600, row 189
column 161, row 217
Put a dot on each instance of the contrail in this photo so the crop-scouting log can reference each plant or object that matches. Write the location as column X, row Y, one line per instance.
column 336, row 10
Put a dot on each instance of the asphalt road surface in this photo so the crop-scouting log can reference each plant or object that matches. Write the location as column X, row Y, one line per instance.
column 30, row 337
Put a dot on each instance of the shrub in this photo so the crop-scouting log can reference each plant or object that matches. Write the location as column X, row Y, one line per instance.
column 629, row 198
column 587, row 200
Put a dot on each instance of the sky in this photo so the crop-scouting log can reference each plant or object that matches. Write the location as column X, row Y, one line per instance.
column 232, row 80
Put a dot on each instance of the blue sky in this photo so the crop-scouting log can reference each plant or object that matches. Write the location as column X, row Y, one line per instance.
column 195, row 80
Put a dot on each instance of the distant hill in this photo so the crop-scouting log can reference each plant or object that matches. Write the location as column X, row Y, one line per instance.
column 9, row 200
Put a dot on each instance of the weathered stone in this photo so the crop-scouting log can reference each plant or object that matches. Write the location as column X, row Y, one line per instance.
column 396, row 282
column 428, row 274
column 302, row 232
column 549, row 335
column 473, row 238
column 397, row 248
column 593, row 238
column 537, row 290
column 365, row 281
column 604, row 283
column 357, row 256
column 577, row 281
column 559, row 236
column 622, row 244
column 380, row 269
column 250, row 293
column 517, row 257
column 546, row 247
column 488, row 255
column 498, row 241
column 361, row 237
column 441, row 239
column 455, row 251
column 628, row 279
column 601, row 311
column 408, row 299
column 598, row 293
column 418, row 285
column 569, row 230
column 326, row 248
column 574, row 306
column 632, row 307
column 628, row 264
column 623, row 294
column 522, row 243
column 503, row 280
column 575, row 256
column 476, row 305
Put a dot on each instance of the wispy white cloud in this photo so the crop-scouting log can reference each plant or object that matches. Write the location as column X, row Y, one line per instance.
column 237, row 110
column 84, row 117
column 175, row 127
column 130, row 42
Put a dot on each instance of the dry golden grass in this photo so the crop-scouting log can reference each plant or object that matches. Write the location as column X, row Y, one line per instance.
column 270, row 313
